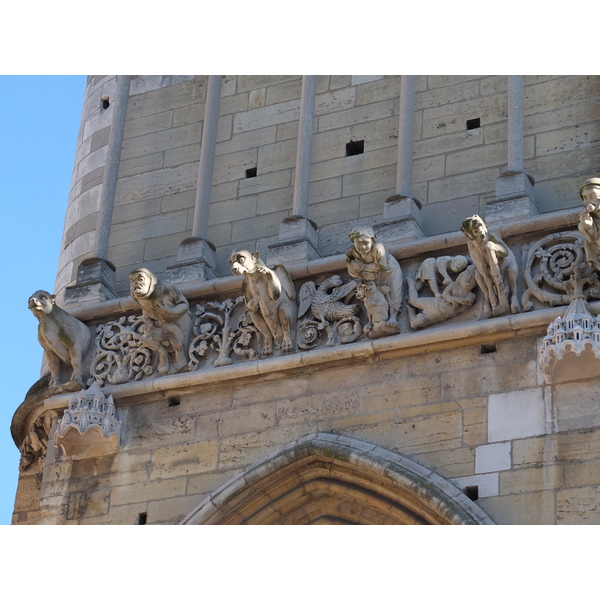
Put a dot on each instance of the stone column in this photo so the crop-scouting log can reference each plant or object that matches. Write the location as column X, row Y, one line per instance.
column 402, row 211
column 196, row 257
column 96, row 275
column 514, row 197
column 298, row 238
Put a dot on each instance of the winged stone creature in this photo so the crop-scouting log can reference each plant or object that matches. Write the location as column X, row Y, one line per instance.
column 325, row 300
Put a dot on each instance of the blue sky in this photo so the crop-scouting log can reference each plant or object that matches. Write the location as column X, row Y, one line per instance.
column 39, row 122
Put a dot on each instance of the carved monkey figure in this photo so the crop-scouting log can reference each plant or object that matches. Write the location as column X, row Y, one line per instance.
column 270, row 298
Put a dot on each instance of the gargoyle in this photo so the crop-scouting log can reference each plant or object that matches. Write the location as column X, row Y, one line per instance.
column 497, row 269
column 167, row 321
column 270, row 298
column 64, row 338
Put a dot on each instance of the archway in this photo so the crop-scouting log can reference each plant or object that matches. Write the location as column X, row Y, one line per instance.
column 333, row 479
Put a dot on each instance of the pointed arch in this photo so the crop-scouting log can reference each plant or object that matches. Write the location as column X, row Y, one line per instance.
column 334, row 479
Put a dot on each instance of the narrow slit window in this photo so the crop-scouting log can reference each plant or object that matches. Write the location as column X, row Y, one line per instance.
column 355, row 147
column 473, row 124
column 488, row 348
column 142, row 518
column 251, row 172
column 105, row 102
column 174, row 401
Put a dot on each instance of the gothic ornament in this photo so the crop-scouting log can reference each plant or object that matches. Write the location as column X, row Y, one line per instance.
column 35, row 444
column 167, row 322
column 89, row 426
column 369, row 261
column 550, row 266
column 270, row 299
column 64, row 338
column 496, row 265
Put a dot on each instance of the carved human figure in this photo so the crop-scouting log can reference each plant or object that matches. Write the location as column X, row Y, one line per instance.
column 368, row 260
column 432, row 269
column 64, row 338
column 270, row 298
column 496, row 265
column 167, row 321
column 589, row 221
column 456, row 295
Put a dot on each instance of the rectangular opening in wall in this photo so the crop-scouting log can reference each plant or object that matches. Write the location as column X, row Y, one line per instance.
column 488, row 348
column 355, row 147
column 174, row 401
column 472, row 492
column 105, row 102
column 142, row 518
column 251, row 172
column 473, row 124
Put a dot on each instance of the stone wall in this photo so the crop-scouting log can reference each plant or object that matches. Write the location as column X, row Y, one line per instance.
column 460, row 149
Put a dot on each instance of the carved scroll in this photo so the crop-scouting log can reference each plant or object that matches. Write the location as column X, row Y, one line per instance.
column 551, row 264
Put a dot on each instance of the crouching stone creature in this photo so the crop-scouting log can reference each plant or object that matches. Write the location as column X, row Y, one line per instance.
column 270, row 298
column 64, row 338
column 167, row 321
column 496, row 265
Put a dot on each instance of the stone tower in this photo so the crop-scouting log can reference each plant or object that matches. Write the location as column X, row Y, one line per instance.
column 322, row 299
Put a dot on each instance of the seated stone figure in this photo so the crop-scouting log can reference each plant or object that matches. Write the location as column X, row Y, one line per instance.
column 589, row 221
column 167, row 321
column 64, row 338
column 369, row 261
column 270, row 298
column 448, row 304
column 496, row 265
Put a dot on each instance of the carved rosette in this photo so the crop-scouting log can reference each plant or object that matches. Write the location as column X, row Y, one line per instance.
column 119, row 352
column 89, row 426
column 312, row 334
column 551, row 264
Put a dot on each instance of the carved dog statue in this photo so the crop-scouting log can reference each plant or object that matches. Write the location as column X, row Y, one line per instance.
column 270, row 298
column 63, row 337
column 497, row 269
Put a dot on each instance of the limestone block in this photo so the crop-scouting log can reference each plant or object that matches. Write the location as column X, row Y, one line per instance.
column 227, row 211
column 354, row 116
column 247, row 140
column 433, row 97
column 274, row 201
column 316, row 407
column 245, row 83
column 151, row 490
column 256, row 98
column 282, row 92
column 146, row 98
column 467, row 184
column 88, row 504
column 477, row 157
column 537, row 508
column 518, row 481
column 566, row 139
column 260, row 226
column 390, row 395
column 266, row 116
column 285, row 131
column 377, row 179
column 248, row 418
column 205, row 483
column 141, row 229
column 166, row 139
column 326, row 103
column 578, row 506
column 173, row 510
column 576, row 406
column 447, row 143
column 186, row 459
column 339, row 81
column 449, row 463
column 141, row 164
column 475, row 423
column 359, row 79
column 492, row 457
column 582, row 473
column 148, row 124
column 514, row 415
column 381, row 88
column 182, row 155
column 266, row 182
column 277, row 156
column 446, row 216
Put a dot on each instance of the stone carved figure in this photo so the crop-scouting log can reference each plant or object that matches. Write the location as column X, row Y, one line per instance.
column 448, row 304
column 35, row 444
column 325, row 301
column 496, row 265
column 589, row 220
column 369, row 261
column 432, row 269
column 377, row 302
column 270, row 298
column 167, row 321
column 64, row 338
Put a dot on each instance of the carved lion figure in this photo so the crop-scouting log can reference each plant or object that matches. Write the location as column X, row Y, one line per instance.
column 270, row 298
column 64, row 338
column 167, row 320
column 496, row 265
